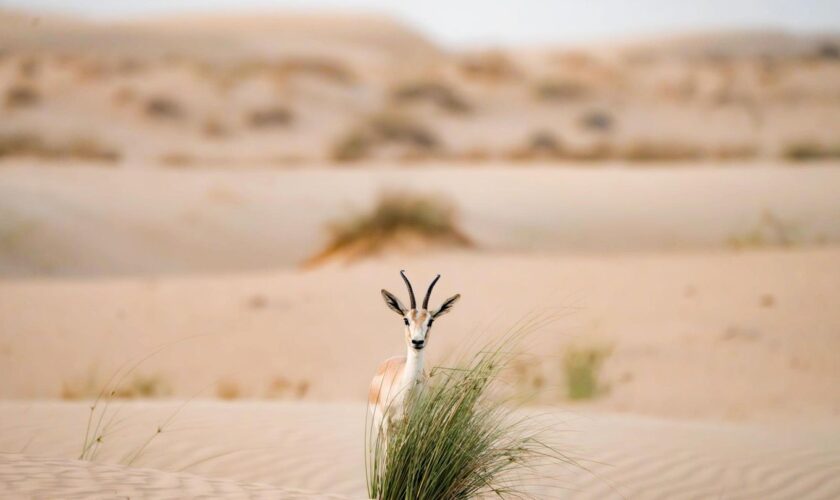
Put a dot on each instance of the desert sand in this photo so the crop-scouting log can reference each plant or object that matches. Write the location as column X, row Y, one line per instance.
column 293, row 449
column 665, row 209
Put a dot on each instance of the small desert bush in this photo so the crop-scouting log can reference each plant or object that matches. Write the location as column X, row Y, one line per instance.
column 437, row 93
column 768, row 231
column 596, row 120
column 397, row 216
column 811, row 152
column 161, row 107
column 582, row 367
column 387, row 129
column 491, row 67
column 139, row 386
column 276, row 116
column 456, row 440
column 653, row 151
column 31, row 145
column 559, row 90
column 22, row 95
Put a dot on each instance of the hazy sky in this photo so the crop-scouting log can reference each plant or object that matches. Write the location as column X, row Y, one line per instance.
column 519, row 22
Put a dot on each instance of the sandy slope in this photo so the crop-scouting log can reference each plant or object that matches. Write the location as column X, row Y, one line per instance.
column 89, row 221
column 715, row 334
column 318, row 447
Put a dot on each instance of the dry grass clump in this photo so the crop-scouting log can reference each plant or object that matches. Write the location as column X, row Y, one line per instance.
column 541, row 145
column 161, row 107
column 388, row 129
column 654, row 151
column 560, row 90
column 811, row 152
column 398, row 219
column 327, row 69
column 768, row 231
column 139, row 386
column 277, row 116
column 491, row 67
column 178, row 159
column 440, row 95
column 285, row 388
column 596, row 120
column 455, row 441
column 22, row 95
column 30, row 145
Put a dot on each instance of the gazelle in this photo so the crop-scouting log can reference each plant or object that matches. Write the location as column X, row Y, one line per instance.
column 397, row 376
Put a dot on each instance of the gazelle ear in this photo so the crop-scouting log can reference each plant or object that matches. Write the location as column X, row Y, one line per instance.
column 393, row 303
column 446, row 306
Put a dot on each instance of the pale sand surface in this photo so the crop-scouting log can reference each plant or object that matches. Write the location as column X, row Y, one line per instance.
column 85, row 221
column 214, row 447
column 760, row 327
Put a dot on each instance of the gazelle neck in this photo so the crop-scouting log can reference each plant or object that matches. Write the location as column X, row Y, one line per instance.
column 413, row 371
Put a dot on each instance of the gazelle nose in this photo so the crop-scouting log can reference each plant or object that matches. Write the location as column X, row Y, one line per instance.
column 418, row 343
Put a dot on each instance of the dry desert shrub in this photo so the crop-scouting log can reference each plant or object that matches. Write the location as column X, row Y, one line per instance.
column 162, row 107
column 806, row 151
column 228, row 389
column 381, row 130
column 398, row 219
column 490, row 67
column 275, row 116
column 596, row 120
column 439, row 94
column 139, row 386
column 652, row 151
column 213, row 128
column 560, row 90
column 31, row 145
column 178, row 159
column 22, row 95
column 327, row 69
column 285, row 388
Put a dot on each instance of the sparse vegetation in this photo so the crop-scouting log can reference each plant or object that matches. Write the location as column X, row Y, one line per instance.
column 161, row 107
column 455, row 441
column 398, row 218
column 493, row 66
column 285, row 388
column 560, row 90
column 139, row 386
column 276, row 116
column 441, row 95
column 30, row 145
column 381, row 130
column 228, row 389
column 582, row 367
column 811, row 152
column 596, row 120
column 22, row 95
column 769, row 230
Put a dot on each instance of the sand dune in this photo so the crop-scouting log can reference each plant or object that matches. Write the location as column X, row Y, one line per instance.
column 228, row 447
column 758, row 326
column 89, row 222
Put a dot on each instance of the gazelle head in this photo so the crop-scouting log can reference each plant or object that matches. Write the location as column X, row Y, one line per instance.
column 418, row 322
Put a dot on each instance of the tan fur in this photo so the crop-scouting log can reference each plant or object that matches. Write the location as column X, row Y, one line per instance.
column 386, row 380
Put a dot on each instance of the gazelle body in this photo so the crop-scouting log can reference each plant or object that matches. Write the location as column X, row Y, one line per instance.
column 398, row 376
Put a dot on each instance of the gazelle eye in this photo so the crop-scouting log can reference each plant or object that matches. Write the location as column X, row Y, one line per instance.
column 406, row 321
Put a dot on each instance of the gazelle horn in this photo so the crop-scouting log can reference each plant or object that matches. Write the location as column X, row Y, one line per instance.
column 410, row 290
column 429, row 292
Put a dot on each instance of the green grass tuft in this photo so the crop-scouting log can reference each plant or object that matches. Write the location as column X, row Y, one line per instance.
column 582, row 367
column 456, row 441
